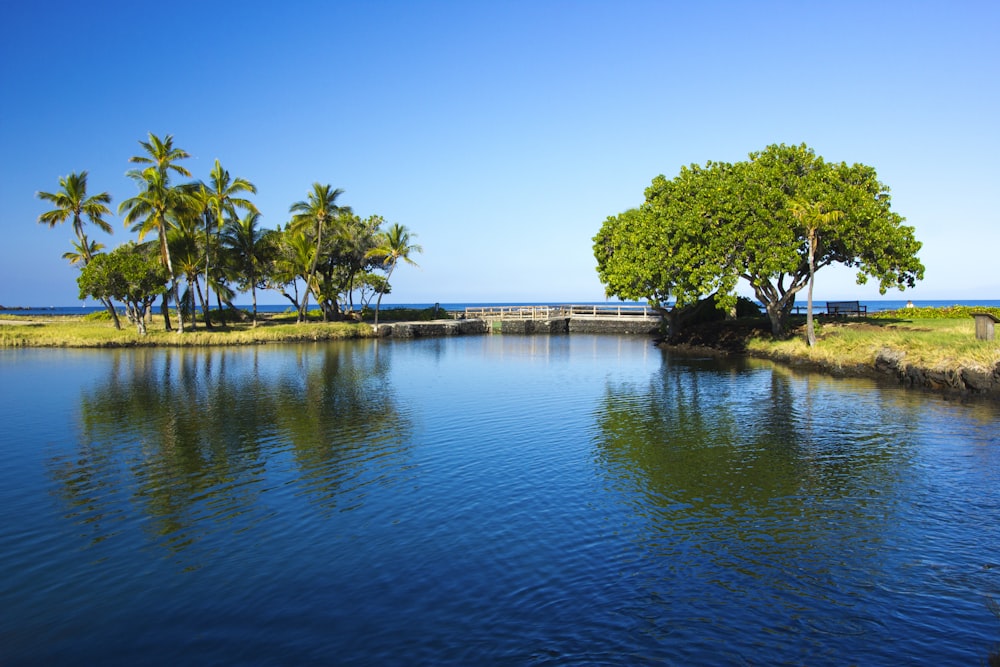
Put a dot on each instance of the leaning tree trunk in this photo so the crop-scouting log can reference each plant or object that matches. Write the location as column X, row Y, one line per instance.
column 113, row 312
column 165, row 311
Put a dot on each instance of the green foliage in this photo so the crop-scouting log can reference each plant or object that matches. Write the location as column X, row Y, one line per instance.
column 702, row 231
column 98, row 316
column 129, row 274
column 955, row 312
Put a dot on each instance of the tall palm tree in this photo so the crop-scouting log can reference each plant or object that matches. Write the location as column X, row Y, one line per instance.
column 814, row 216
column 310, row 217
column 221, row 199
column 161, row 154
column 249, row 248
column 293, row 255
column 158, row 200
column 392, row 247
column 72, row 201
column 152, row 210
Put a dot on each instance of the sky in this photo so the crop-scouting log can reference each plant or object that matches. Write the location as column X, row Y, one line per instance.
column 502, row 133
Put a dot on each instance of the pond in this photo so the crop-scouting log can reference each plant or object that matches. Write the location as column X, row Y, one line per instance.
column 487, row 500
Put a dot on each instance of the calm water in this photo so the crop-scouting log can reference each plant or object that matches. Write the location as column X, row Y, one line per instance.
column 487, row 500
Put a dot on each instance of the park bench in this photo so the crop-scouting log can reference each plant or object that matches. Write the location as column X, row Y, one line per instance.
column 846, row 308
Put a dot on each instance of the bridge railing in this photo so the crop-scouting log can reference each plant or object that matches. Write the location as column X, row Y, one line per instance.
column 549, row 312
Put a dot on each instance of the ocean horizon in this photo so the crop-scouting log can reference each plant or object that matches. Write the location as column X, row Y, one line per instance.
column 873, row 305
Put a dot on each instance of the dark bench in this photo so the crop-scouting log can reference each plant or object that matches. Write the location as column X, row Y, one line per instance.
column 846, row 308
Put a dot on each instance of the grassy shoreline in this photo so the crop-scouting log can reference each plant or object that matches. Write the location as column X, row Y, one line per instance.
column 935, row 348
column 82, row 332
column 930, row 347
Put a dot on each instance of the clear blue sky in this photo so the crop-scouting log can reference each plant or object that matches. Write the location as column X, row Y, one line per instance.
column 502, row 133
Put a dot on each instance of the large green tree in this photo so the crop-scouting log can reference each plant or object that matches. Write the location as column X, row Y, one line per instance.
column 700, row 232
column 72, row 201
column 131, row 274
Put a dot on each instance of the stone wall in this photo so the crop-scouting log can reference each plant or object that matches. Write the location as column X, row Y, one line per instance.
column 434, row 328
column 559, row 325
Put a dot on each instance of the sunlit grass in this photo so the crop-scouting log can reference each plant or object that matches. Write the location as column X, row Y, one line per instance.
column 931, row 343
column 73, row 331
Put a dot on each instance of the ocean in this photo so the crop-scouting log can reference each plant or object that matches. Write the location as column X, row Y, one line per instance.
column 873, row 306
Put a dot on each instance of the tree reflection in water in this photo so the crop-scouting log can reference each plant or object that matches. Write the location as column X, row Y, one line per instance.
column 744, row 482
column 200, row 441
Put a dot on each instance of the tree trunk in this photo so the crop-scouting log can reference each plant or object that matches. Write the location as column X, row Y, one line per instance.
column 113, row 312
column 810, row 329
column 253, row 293
column 777, row 314
column 208, row 285
column 180, row 310
column 165, row 311
column 204, row 302
column 379, row 302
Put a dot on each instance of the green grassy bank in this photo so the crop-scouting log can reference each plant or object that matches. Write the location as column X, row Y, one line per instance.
column 96, row 330
column 932, row 338
column 73, row 331
column 929, row 347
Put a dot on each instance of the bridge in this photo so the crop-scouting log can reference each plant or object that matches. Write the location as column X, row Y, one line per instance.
column 618, row 311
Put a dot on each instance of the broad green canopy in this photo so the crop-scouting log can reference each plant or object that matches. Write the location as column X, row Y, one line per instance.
column 699, row 233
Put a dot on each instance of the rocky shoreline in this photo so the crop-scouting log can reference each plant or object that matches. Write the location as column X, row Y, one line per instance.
column 728, row 338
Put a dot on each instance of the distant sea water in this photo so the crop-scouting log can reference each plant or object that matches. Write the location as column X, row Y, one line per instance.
column 873, row 306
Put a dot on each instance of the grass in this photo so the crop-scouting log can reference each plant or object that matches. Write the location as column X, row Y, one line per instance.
column 942, row 339
column 75, row 331
column 935, row 338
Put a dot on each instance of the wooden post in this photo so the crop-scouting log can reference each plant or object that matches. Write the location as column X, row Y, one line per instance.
column 984, row 325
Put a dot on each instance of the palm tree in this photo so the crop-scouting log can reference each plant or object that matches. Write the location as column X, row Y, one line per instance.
column 72, row 201
column 83, row 253
column 249, row 247
column 311, row 217
column 162, row 155
column 151, row 208
column 221, row 198
column 815, row 218
column 293, row 255
column 392, row 247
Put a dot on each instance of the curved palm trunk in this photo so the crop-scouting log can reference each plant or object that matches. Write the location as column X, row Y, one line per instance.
column 176, row 293
column 378, row 302
column 810, row 329
column 311, row 281
column 203, row 298
column 165, row 311
column 253, row 294
column 208, row 285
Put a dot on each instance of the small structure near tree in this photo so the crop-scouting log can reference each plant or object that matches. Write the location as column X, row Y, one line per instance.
column 984, row 325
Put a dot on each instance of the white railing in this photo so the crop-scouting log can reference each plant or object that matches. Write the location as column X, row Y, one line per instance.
column 549, row 312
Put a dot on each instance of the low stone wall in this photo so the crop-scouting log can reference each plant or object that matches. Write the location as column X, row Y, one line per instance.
column 612, row 325
column 557, row 325
column 433, row 328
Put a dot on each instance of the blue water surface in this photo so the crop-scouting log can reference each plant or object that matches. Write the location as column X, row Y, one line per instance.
column 487, row 500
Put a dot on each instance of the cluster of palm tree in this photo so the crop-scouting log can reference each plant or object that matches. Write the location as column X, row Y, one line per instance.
column 325, row 251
